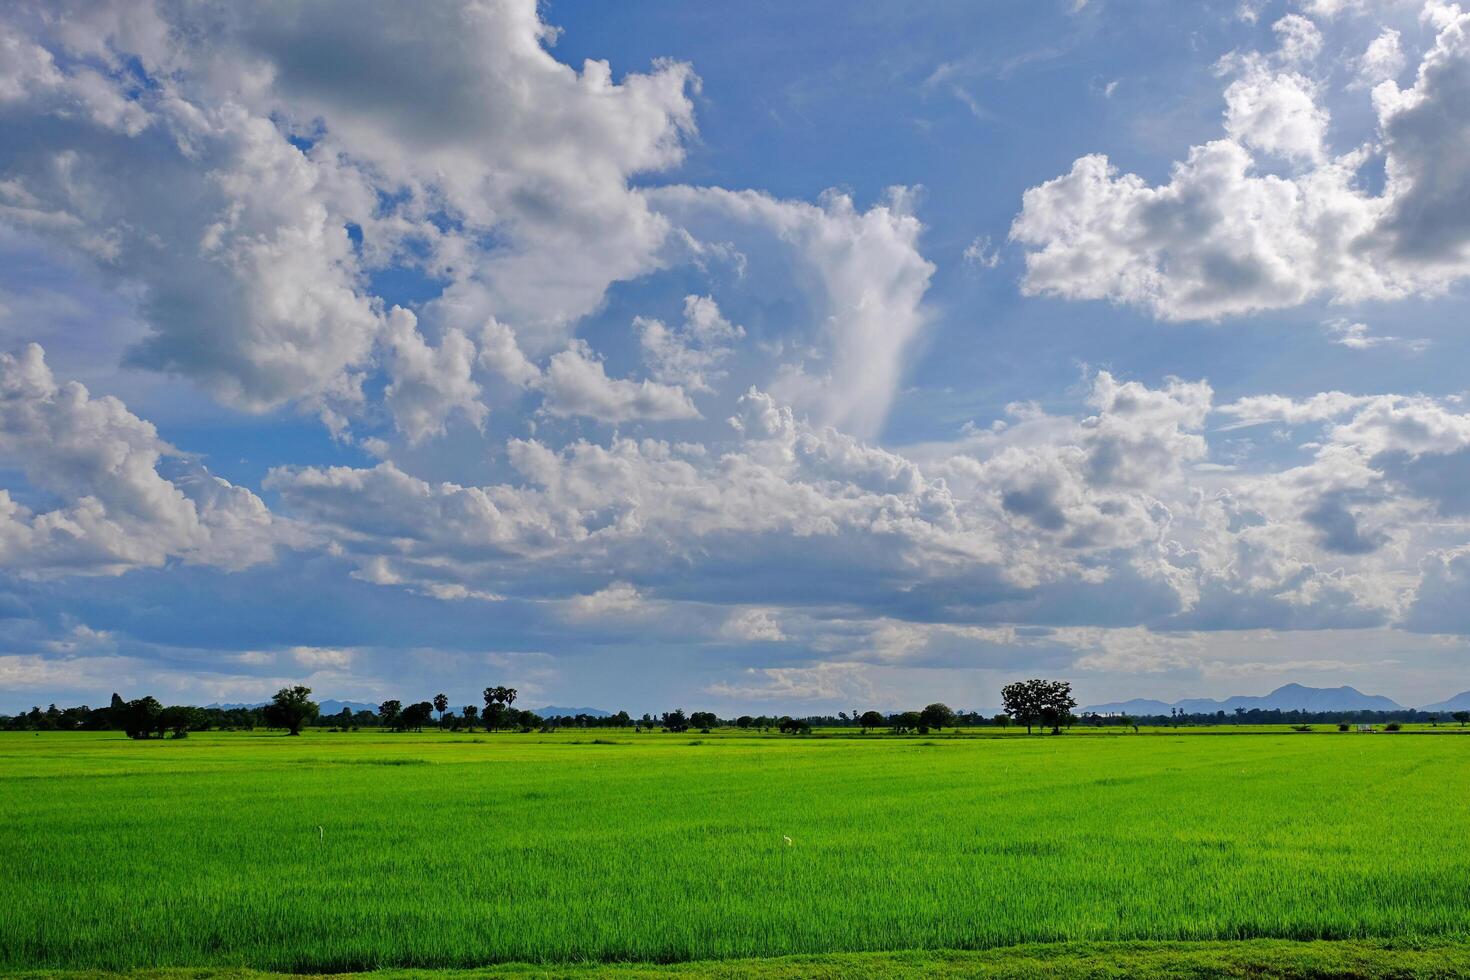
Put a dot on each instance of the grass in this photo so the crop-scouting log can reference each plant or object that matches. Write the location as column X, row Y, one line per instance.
column 1258, row 958
column 438, row 851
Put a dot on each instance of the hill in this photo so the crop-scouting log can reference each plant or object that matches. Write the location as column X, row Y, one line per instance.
column 1289, row 697
column 551, row 711
column 1460, row 702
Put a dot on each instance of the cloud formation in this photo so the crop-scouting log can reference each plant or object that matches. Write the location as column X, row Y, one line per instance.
column 1225, row 236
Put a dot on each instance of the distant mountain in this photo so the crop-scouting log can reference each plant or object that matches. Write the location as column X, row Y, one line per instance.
column 1460, row 702
column 552, row 710
column 1290, row 697
column 235, row 705
column 1138, row 706
column 330, row 707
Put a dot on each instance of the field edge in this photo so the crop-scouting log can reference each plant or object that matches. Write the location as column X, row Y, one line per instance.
column 1256, row 958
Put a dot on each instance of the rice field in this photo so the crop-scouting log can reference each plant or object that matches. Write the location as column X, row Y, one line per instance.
column 351, row 851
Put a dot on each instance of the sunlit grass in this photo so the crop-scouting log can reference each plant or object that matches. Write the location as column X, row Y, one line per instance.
column 443, row 850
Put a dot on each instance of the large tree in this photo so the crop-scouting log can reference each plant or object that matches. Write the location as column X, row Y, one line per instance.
column 1039, row 702
column 140, row 717
column 870, row 720
column 937, row 716
column 441, row 705
column 389, row 712
column 291, row 708
column 497, row 702
column 414, row 715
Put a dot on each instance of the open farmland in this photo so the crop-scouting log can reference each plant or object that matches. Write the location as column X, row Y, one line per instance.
column 341, row 851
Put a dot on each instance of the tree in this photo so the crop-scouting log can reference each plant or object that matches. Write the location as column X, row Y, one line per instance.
column 704, row 720
column 140, row 717
column 290, row 708
column 1128, row 721
column 870, row 720
column 906, row 722
column 1004, row 721
column 1463, row 717
column 675, row 721
column 389, row 712
column 795, row 726
column 497, row 701
column 471, row 712
column 415, row 715
column 441, row 705
column 181, row 719
column 937, row 716
column 1039, row 702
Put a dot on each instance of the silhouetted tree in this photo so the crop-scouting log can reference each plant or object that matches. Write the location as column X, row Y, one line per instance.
column 675, row 721
column 704, row 720
column 1038, row 701
column 140, row 717
column 937, row 716
column 906, row 721
column 795, row 726
column 290, row 708
column 470, row 714
column 870, row 720
column 1463, row 717
column 415, row 715
column 389, row 713
column 441, row 705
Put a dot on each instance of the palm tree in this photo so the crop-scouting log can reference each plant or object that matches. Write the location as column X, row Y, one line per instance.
column 441, row 705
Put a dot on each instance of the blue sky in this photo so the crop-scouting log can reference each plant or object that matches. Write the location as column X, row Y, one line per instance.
column 787, row 358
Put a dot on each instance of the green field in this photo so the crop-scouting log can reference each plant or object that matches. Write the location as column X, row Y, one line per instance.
column 349, row 851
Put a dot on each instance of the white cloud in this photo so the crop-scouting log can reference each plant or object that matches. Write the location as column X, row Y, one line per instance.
column 1222, row 239
column 576, row 383
column 689, row 357
column 753, row 625
column 1383, row 60
column 115, row 510
column 1359, row 336
column 823, row 682
column 863, row 273
column 429, row 384
column 981, row 252
column 247, row 191
column 1276, row 113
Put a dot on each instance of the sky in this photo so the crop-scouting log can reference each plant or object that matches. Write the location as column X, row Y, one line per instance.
column 774, row 357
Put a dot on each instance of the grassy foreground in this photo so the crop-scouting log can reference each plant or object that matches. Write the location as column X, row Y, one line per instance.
column 1256, row 958
column 335, row 852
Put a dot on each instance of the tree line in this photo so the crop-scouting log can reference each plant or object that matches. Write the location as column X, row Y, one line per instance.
column 1038, row 703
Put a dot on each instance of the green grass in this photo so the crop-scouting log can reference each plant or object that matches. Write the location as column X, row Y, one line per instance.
column 460, row 851
column 1256, row 958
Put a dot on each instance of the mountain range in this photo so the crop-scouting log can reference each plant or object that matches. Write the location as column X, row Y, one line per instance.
column 1289, row 697
column 1460, row 702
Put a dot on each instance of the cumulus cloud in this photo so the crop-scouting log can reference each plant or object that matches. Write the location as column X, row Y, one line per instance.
column 1223, row 238
column 861, row 271
column 205, row 158
column 689, row 356
column 822, row 682
column 576, row 383
column 114, row 510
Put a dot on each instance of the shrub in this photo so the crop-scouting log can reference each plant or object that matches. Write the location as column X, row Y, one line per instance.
column 1343, row 726
column 1392, row 726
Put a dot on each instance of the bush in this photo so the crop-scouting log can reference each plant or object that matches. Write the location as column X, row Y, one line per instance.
column 1343, row 726
column 1301, row 728
column 1392, row 726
